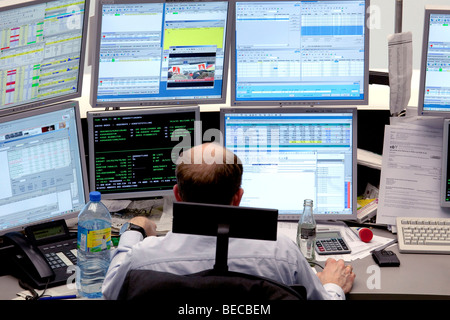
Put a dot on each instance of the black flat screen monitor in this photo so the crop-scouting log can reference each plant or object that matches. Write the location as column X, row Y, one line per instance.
column 434, row 86
column 42, row 166
column 300, row 53
column 42, row 49
column 132, row 152
column 160, row 52
column 290, row 154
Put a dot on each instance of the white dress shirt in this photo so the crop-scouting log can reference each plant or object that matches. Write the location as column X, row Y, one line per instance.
column 182, row 254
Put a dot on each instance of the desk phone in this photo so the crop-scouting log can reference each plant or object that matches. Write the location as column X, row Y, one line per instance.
column 60, row 255
column 42, row 255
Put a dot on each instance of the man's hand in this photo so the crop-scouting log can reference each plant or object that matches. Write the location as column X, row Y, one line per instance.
column 337, row 272
column 148, row 225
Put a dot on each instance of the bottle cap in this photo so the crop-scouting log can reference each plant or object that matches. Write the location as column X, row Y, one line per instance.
column 365, row 234
column 95, row 196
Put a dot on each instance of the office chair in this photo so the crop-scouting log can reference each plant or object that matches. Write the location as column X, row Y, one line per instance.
column 217, row 284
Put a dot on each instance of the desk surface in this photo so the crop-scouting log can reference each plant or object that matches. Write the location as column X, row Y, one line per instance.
column 420, row 276
column 10, row 286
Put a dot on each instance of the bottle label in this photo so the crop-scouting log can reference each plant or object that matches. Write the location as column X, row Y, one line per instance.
column 307, row 233
column 93, row 240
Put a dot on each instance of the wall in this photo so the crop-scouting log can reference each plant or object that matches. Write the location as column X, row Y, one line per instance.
column 413, row 14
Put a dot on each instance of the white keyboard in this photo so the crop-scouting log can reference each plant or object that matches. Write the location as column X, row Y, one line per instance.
column 423, row 235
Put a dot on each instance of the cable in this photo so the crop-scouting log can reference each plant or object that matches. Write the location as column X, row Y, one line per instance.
column 45, row 289
column 26, row 286
column 34, row 295
column 316, row 264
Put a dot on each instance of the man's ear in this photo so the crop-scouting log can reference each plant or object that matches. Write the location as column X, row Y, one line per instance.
column 176, row 193
column 237, row 197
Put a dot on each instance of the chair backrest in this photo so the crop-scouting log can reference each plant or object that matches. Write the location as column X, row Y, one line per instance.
column 224, row 221
column 218, row 284
column 208, row 285
column 204, row 219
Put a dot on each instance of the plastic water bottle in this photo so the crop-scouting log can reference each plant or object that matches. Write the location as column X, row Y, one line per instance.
column 306, row 231
column 93, row 247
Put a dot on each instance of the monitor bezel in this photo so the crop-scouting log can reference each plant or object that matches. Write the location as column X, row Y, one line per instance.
column 45, row 102
column 302, row 109
column 429, row 10
column 303, row 102
column 42, row 111
column 135, row 111
column 159, row 102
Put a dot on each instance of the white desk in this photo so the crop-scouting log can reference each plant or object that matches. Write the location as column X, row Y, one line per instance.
column 419, row 276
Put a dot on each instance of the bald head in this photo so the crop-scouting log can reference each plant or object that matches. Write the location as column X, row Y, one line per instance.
column 208, row 173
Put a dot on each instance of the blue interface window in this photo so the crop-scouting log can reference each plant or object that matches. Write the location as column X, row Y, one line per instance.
column 292, row 156
column 437, row 77
column 162, row 51
column 300, row 50
column 41, row 166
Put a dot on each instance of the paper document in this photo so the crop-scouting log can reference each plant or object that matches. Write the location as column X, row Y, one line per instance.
column 63, row 290
column 116, row 205
column 165, row 222
column 410, row 174
column 359, row 249
column 400, row 70
column 369, row 159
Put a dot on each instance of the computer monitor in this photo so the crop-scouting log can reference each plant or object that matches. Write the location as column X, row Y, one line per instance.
column 42, row 166
column 290, row 154
column 160, row 52
column 132, row 152
column 42, row 49
column 445, row 170
column 300, row 53
column 434, row 85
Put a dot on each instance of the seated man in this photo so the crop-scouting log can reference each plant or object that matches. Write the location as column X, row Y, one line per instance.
column 210, row 173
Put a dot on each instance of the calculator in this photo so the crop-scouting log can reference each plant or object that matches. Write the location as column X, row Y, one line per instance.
column 331, row 242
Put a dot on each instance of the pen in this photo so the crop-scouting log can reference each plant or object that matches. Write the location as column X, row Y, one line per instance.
column 71, row 296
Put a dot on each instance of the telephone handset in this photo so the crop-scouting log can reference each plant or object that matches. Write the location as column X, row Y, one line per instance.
column 43, row 254
column 27, row 260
